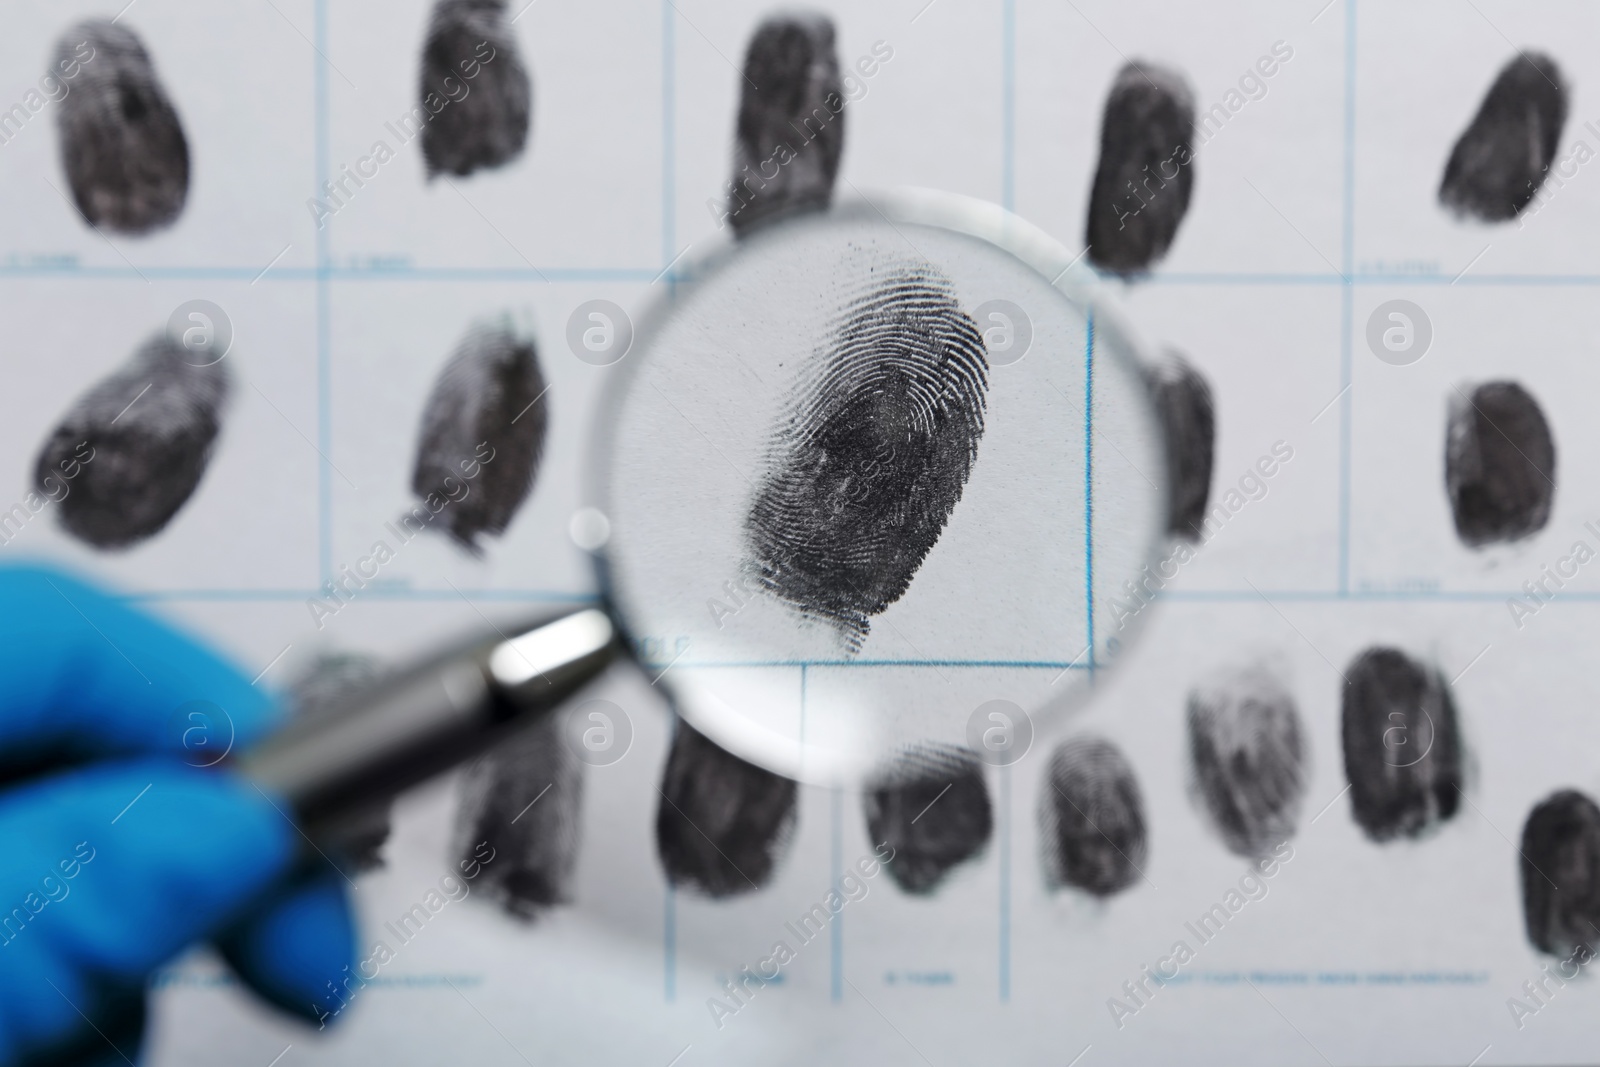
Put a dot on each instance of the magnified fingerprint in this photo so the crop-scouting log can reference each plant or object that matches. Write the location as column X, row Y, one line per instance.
column 483, row 432
column 122, row 144
column 932, row 807
column 1190, row 427
column 140, row 441
column 1500, row 464
column 1146, row 173
column 791, row 121
column 1561, row 873
column 882, row 433
column 722, row 824
column 1091, row 819
column 518, row 820
column 474, row 90
column 321, row 692
column 1247, row 749
column 1402, row 745
column 1502, row 157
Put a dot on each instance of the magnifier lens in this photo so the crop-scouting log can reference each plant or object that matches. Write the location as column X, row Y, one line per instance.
column 873, row 482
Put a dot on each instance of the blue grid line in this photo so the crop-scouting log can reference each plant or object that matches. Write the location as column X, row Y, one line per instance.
column 1008, row 105
column 1406, row 595
column 267, row 596
column 1005, row 885
column 496, row 274
column 400, row 273
column 1346, row 314
column 551, row 596
column 669, row 77
column 324, row 315
column 1347, row 295
column 669, row 924
column 734, row 664
column 1088, row 481
column 1008, row 193
column 646, row 274
column 836, row 939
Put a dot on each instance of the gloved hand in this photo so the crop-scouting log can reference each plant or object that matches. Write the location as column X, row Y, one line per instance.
column 110, row 867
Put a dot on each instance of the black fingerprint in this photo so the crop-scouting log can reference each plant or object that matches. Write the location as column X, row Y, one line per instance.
column 1402, row 745
column 1499, row 465
column 483, row 432
column 791, row 121
column 520, row 805
column 932, row 807
column 722, row 824
column 883, row 430
column 322, row 692
column 1247, row 750
column 144, row 436
column 1503, row 156
column 474, row 88
column 1561, row 873
column 1091, row 819
column 1189, row 422
column 122, row 145
column 1146, row 174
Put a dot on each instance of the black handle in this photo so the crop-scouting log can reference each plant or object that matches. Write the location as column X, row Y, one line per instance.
column 406, row 729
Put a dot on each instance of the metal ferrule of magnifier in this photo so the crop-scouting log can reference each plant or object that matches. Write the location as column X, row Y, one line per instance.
column 416, row 725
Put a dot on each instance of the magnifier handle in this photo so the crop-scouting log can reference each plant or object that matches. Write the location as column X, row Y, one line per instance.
column 407, row 729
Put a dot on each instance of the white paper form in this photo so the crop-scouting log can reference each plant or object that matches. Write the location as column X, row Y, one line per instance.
column 1315, row 202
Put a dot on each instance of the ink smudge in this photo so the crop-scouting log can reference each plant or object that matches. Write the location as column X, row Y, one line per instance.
column 1500, row 465
column 1188, row 417
column 322, row 692
column 1091, row 819
column 882, row 434
column 1146, row 173
column 791, row 122
column 1502, row 157
column 1561, row 873
column 483, row 433
column 122, row 145
column 722, row 824
column 143, row 437
column 476, row 95
column 1402, row 745
column 1247, row 748
column 932, row 808
column 520, row 805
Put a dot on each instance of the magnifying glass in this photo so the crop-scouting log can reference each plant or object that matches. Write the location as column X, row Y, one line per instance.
column 870, row 480
column 876, row 480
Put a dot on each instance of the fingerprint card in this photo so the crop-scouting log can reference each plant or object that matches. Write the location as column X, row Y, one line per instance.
column 1271, row 580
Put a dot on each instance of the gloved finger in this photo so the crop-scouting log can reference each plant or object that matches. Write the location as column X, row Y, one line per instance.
column 297, row 949
column 112, row 1037
column 84, row 674
column 110, row 870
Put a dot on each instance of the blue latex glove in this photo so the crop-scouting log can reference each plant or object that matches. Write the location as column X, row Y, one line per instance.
column 110, row 868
